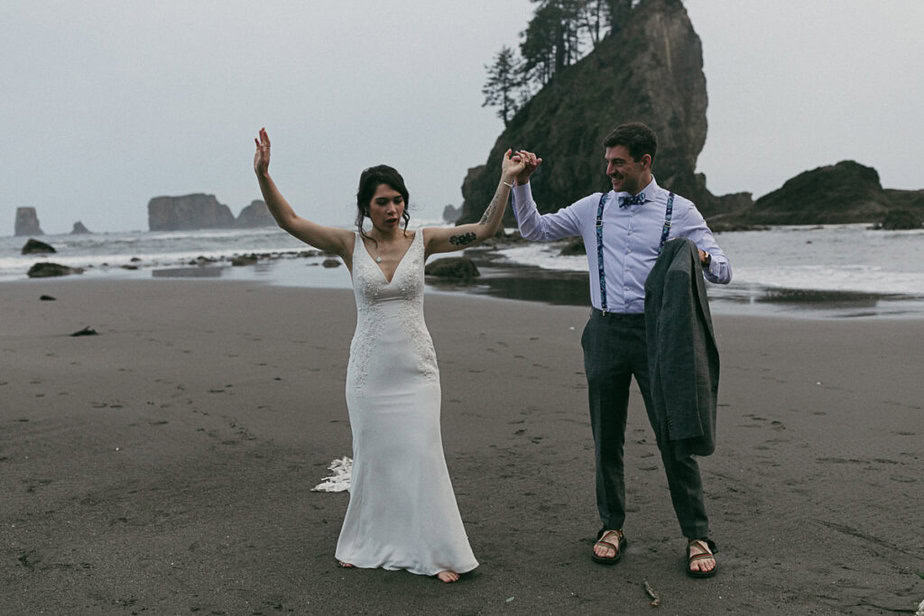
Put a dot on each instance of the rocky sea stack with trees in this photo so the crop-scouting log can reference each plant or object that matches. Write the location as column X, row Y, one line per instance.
column 644, row 63
column 585, row 66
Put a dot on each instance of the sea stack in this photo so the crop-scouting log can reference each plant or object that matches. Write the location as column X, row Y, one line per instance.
column 79, row 229
column 255, row 215
column 27, row 222
column 34, row 246
column 188, row 212
column 651, row 70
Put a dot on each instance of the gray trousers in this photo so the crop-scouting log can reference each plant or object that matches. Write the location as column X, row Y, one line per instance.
column 615, row 350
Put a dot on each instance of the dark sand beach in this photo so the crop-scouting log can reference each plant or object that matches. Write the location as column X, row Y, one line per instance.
column 165, row 465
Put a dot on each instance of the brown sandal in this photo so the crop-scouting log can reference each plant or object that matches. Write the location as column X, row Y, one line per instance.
column 704, row 544
column 619, row 546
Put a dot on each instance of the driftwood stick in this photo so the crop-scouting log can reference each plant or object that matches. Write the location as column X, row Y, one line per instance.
column 655, row 599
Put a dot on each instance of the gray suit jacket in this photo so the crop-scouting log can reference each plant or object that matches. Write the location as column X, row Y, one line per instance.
column 683, row 360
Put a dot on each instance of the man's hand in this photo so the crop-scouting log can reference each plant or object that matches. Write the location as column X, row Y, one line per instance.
column 705, row 258
column 531, row 163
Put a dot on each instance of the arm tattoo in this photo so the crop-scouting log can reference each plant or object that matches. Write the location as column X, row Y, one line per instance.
column 462, row 240
column 489, row 210
column 487, row 213
column 496, row 202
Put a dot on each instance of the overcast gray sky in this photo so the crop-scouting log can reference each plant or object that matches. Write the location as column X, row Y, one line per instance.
column 107, row 103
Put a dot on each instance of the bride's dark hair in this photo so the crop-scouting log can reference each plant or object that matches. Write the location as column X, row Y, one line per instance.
column 369, row 181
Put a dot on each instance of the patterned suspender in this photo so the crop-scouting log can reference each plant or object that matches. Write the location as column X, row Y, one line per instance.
column 667, row 221
column 665, row 232
column 600, row 251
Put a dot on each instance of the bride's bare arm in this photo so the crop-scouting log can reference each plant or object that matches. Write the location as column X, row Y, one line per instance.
column 328, row 239
column 447, row 239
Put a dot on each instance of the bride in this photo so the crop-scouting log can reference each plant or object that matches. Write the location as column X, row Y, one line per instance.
column 402, row 512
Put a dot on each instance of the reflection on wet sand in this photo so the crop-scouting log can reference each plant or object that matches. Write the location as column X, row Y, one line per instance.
column 571, row 289
column 188, row 272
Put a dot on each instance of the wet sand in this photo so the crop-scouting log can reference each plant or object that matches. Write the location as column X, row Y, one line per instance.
column 165, row 465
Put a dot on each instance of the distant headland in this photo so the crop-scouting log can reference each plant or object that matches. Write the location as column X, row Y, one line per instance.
column 202, row 211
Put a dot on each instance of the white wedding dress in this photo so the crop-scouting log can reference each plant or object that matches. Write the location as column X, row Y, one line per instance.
column 402, row 512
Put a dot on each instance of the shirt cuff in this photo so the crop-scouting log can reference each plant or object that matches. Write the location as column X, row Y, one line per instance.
column 522, row 193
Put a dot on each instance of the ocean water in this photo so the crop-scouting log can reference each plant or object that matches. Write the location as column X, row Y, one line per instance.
column 831, row 270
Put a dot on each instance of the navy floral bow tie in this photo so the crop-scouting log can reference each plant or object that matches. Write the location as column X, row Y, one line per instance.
column 630, row 200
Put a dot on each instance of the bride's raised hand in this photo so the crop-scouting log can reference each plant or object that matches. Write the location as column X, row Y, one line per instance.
column 512, row 165
column 261, row 157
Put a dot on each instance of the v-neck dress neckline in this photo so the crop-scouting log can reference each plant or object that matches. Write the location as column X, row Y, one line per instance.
column 400, row 261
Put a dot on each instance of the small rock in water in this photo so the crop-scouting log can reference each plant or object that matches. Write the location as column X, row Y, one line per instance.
column 244, row 260
column 86, row 331
column 35, row 246
column 456, row 268
column 574, row 247
column 331, row 263
column 47, row 298
column 45, row 270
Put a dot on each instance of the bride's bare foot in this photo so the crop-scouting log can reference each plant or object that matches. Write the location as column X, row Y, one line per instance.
column 344, row 565
column 448, row 576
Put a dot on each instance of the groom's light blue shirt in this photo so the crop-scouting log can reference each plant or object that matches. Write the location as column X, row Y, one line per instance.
column 631, row 239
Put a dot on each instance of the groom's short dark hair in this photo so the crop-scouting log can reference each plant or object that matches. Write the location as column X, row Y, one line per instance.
column 635, row 137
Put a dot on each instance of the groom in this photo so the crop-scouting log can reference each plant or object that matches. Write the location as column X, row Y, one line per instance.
column 624, row 230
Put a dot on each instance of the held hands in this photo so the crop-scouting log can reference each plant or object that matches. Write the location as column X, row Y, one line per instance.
column 512, row 165
column 531, row 163
column 261, row 157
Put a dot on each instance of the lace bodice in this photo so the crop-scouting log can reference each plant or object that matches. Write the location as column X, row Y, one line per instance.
column 370, row 286
column 395, row 306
